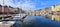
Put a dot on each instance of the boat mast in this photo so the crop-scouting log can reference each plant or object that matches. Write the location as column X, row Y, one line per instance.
column 3, row 9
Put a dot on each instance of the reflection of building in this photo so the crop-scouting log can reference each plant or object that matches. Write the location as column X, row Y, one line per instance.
column 38, row 12
column 56, row 12
column 47, row 12
column 32, row 13
column 52, row 12
column 56, row 17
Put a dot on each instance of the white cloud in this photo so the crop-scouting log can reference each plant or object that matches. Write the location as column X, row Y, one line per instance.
column 1, row 2
column 24, row 4
column 7, row 2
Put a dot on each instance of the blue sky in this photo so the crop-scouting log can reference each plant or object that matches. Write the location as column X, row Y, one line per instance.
column 30, row 4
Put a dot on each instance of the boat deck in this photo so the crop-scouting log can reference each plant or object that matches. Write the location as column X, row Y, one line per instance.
column 6, row 23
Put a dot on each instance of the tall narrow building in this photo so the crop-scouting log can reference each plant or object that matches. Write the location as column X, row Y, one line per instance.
column 56, row 13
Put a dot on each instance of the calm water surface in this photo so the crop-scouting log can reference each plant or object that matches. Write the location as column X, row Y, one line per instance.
column 36, row 21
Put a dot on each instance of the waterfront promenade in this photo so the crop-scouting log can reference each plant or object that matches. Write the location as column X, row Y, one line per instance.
column 10, row 23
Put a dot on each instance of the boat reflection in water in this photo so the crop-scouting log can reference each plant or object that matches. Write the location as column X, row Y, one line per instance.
column 6, row 23
column 36, row 21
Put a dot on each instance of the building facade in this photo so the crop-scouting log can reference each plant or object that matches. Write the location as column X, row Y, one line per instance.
column 6, row 11
column 52, row 12
column 56, row 13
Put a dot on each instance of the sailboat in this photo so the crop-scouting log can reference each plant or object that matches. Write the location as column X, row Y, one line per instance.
column 6, row 16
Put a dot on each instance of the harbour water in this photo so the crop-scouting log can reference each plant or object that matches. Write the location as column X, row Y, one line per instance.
column 30, row 21
column 36, row 21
